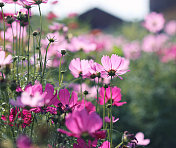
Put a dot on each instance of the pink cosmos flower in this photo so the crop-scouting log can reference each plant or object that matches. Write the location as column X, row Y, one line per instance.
column 4, row 60
column 67, row 101
column 108, row 120
column 51, row 16
column 113, row 66
column 33, row 2
column 23, row 141
column 82, row 42
column 154, row 22
column 116, row 96
column 105, row 144
column 34, row 96
column 170, row 28
column 132, row 50
column 12, row 2
column 81, row 122
column 79, row 67
column 169, row 54
column 24, row 115
column 153, row 43
column 140, row 138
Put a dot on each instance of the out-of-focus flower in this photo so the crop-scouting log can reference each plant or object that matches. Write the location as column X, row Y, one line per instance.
column 105, row 144
column 24, row 117
column 116, row 96
column 16, row 32
column 132, row 50
column 81, row 123
column 108, row 120
column 34, row 96
column 23, row 141
column 79, row 67
column 170, row 28
column 51, row 16
column 152, row 43
column 140, row 139
column 4, row 60
column 113, row 66
column 12, row 2
column 72, row 15
column 154, row 22
column 67, row 101
column 168, row 54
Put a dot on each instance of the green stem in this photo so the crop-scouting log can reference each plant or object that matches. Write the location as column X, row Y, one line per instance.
column 60, row 71
column 111, row 124
column 34, row 58
column 104, row 108
column 4, row 27
column 119, row 145
column 13, row 53
column 28, row 46
column 45, row 62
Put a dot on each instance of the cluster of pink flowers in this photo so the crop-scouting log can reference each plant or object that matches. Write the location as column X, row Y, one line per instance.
column 112, row 67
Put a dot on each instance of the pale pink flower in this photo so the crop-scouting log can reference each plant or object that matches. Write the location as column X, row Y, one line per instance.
column 82, row 42
column 33, row 2
column 67, row 100
column 132, row 50
column 56, row 26
column 81, row 122
column 12, row 2
column 154, row 22
column 140, row 138
column 116, row 96
column 169, row 54
column 4, row 60
column 113, row 66
column 16, row 32
column 105, row 144
column 108, row 120
column 152, row 43
column 79, row 67
column 170, row 28
column 34, row 96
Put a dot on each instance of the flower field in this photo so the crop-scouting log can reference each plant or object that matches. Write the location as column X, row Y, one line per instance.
column 64, row 85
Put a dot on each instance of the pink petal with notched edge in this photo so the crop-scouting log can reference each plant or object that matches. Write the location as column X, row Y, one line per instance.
column 8, row 60
column 105, row 60
column 73, row 100
column 64, row 96
column 115, row 61
column 141, row 141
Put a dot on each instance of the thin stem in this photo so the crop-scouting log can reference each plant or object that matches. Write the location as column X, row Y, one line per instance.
column 4, row 27
column 60, row 71
column 111, row 124
column 45, row 62
column 34, row 57
column 13, row 52
column 104, row 108
column 28, row 46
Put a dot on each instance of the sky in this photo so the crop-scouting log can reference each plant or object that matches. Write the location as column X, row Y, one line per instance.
column 126, row 9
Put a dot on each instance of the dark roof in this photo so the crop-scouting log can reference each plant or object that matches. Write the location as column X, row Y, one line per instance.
column 99, row 19
column 161, row 5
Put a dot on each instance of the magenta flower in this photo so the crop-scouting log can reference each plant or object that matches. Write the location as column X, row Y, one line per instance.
column 116, row 96
column 113, row 66
column 154, row 22
column 105, row 144
column 67, row 101
column 24, row 115
column 81, row 123
column 79, row 67
column 140, row 139
column 23, row 141
column 82, row 144
column 4, row 60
